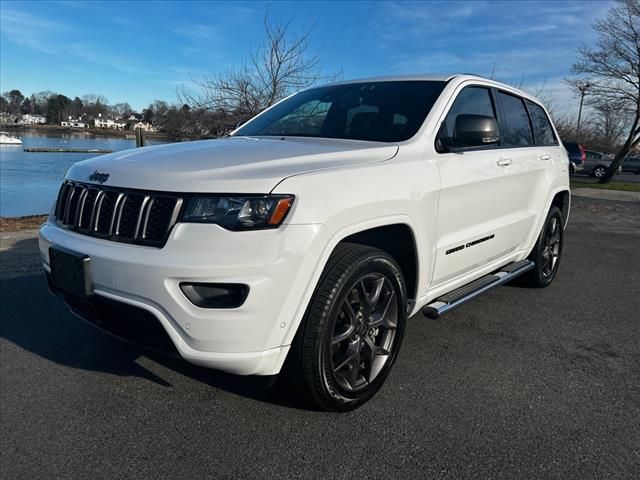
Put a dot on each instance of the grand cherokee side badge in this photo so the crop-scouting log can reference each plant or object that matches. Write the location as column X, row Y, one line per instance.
column 99, row 177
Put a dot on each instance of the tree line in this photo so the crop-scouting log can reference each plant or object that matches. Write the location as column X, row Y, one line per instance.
column 57, row 107
column 178, row 121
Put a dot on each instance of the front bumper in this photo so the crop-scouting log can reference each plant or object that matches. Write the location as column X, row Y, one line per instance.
column 276, row 264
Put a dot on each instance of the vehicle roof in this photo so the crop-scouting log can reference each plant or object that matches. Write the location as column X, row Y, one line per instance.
column 442, row 77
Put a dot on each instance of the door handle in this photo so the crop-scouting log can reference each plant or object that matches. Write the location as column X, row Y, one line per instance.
column 545, row 157
column 503, row 162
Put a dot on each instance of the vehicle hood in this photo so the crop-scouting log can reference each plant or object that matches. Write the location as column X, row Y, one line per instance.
column 230, row 165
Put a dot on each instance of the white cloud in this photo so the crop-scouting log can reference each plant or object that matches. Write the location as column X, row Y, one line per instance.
column 50, row 37
column 29, row 30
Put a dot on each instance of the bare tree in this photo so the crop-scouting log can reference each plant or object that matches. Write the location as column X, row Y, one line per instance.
column 121, row 109
column 612, row 69
column 278, row 68
column 609, row 126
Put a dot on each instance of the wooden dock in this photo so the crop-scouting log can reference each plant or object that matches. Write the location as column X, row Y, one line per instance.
column 66, row 150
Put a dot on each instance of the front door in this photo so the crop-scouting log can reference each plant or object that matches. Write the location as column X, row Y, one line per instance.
column 475, row 214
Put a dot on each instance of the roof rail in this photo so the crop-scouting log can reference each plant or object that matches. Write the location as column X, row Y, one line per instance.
column 476, row 75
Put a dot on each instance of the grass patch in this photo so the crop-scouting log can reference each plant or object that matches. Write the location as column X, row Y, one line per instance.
column 621, row 186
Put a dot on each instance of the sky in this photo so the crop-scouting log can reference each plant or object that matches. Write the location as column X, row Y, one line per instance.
column 139, row 51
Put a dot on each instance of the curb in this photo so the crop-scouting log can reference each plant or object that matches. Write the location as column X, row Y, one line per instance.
column 615, row 195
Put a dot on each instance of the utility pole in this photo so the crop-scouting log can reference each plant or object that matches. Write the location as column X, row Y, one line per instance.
column 582, row 88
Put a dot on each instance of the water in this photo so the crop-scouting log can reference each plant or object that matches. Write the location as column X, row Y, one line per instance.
column 29, row 182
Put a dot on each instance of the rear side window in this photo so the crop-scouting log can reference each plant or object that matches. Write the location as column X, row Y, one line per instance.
column 515, row 129
column 471, row 101
column 542, row 130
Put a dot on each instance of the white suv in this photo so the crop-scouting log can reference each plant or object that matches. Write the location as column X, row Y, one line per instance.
column 305, row 240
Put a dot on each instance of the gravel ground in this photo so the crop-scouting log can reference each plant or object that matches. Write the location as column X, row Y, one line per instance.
column 517, row 384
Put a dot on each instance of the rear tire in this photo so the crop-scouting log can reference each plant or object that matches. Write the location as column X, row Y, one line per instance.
column 352, row 330
column 546, row 253
column 599, row 172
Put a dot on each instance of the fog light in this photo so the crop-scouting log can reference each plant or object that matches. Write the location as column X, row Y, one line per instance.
column 215, row 295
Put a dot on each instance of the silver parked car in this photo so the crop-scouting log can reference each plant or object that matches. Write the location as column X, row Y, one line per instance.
column 596, row 163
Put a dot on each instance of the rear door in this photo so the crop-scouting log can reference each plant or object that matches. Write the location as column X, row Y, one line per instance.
column 551, row 157
column 531, row 167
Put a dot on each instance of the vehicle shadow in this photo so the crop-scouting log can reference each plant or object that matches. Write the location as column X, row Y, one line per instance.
column 36, row 321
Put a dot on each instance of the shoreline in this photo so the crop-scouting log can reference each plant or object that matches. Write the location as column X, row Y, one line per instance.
column 18, row 224
column 123, row 134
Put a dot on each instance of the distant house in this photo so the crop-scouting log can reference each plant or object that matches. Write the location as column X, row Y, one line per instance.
column 134, row 118
column 74, row 123
column 32, row 119
column 103, row 122
column 6, row 117
column 146, row 126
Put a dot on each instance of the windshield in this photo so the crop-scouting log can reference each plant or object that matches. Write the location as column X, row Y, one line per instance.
column 377, row 111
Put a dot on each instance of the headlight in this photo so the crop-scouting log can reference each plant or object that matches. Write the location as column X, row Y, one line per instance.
column 239, row 212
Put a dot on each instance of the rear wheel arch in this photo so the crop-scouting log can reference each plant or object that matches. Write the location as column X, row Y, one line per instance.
column 562, row 200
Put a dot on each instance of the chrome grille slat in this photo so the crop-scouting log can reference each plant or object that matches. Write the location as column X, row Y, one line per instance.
column 146, row 219
column 67, row 206
column 116, row 224
column 141, row 214
column 87, row 213
column 62, row 196
column 92, row 221
column 116, row 214
column 80, row 207
column 96, row 212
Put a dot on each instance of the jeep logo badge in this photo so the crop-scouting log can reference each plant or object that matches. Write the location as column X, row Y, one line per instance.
column 99, row 177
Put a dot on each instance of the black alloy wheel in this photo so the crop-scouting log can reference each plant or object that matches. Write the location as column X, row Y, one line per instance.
column 364, row 332
column 546, row 253
column 352, row 331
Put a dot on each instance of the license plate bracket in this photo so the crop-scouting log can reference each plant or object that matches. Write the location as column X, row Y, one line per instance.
column 70, row 271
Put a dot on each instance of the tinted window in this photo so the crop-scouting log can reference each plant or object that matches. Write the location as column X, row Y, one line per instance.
column 307, row 119
column 542, row 130
column 515, row 130
column 378, row 111
column 471, row 101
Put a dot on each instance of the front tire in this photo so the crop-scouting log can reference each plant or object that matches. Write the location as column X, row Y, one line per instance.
column 546, row 253
column 352, row 330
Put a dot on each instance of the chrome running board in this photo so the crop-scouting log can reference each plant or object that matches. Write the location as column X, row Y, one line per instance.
column 468, row 292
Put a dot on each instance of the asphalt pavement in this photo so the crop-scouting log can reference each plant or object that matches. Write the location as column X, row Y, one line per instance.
column 518, row 384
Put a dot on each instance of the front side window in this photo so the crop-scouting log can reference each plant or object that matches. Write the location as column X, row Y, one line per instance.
column 390, row 111
column 470, row 101
column 542, row 130
column 515, row 129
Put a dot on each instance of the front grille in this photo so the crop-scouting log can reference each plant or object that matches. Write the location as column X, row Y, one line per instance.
column 120, row 215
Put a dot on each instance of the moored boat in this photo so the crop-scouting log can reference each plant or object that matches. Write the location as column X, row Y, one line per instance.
column 6, row 139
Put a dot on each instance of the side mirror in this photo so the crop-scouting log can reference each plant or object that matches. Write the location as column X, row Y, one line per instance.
column 475, row 131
